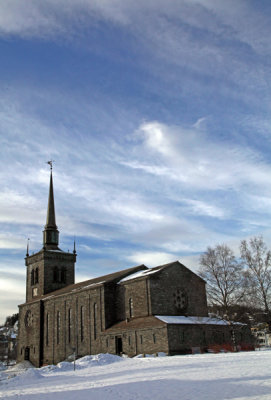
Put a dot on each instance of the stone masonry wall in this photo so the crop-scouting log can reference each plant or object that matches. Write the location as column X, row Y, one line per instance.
column 30, row 319
column 177, row 291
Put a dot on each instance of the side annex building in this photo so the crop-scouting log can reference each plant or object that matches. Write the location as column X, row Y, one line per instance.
column 133, row 311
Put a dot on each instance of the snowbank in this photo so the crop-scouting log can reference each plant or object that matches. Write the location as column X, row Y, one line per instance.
column 203, row 377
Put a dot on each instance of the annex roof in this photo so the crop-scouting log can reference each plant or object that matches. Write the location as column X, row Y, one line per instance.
column 193, row 320
column 136, row 323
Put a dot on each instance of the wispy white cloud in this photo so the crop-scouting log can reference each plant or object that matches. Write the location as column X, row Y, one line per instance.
column 193, row 158
column 151, row 259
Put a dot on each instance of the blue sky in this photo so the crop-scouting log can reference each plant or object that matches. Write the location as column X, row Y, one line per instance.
column 157, row 115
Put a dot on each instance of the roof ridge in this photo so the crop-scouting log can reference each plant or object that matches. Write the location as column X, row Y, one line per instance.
column 95, row 281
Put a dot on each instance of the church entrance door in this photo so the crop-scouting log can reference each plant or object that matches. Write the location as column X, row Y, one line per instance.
column 27, row 353
column 118, row 345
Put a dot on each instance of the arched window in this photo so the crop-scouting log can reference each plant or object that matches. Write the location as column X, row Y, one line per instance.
column 32, row 277
column 82, row 323
column 69, row 324
column 37, row 275
column 58, row 327
column 95, row 320
column 47, row 329
column 131, row 308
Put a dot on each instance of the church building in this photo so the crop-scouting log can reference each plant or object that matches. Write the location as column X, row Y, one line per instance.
column 133, row 311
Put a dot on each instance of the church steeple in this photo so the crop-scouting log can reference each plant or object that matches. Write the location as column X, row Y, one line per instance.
column 50, row 233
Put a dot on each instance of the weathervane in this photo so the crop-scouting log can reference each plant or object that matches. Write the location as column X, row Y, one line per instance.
column 50, row 163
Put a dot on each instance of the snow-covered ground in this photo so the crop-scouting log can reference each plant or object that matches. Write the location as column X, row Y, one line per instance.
column 196, row 377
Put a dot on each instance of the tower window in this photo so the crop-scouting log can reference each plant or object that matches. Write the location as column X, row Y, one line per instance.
column 36, row 275
column 32, row 277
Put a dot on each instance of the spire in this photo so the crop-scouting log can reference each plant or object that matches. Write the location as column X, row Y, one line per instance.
column 50, row 233
column 27, row 248
column 51, row 218
column 74, row 249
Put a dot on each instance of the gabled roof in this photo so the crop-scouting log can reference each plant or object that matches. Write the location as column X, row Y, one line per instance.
column 110, row 278
column 155, row 270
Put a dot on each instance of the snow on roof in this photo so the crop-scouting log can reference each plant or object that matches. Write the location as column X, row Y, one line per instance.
column 140, row 274
column 90, row 285
column 182, row 320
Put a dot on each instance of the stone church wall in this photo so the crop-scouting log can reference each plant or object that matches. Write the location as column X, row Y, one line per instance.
column 75, row 321
column 137, row 291
column 29, row 333
column 141, row 341
column 166, row 286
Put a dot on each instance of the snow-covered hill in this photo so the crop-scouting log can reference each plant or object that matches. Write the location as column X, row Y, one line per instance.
column 198, row 377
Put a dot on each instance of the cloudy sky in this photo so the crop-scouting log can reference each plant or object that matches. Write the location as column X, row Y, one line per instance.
column 157, row 114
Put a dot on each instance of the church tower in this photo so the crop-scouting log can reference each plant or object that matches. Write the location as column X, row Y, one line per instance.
column 51, row 268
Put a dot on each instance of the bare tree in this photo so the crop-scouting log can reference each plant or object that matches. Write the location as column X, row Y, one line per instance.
column 224, row 277
column 257, row 258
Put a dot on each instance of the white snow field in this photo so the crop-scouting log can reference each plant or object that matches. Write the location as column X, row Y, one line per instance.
column 104, row 376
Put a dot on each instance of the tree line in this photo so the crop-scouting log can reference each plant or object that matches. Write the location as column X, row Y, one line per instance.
column 240, row 283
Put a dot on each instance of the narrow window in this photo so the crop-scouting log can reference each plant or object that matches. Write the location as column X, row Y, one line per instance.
column 141, row 339
column 129, row 340
column 107, row 342
column 154, row 338
column 69, row 324
column 63, row 275
column 95, row 320
column 36, row 275
column 58, row 327
column 131, row 308
column 32, row 277
column 55, row 277
column 82, row 323
column 47, row 330
column 182, row 337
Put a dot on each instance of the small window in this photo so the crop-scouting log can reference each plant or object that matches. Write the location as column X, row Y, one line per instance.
column 141, row 339
column 107, row 342
column 154, row 338
column 131, row 308
column 129, row 340
column 35, row 292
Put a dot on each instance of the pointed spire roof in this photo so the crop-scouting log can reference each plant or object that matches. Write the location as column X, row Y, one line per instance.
column 51, row 218
column 50, row 233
